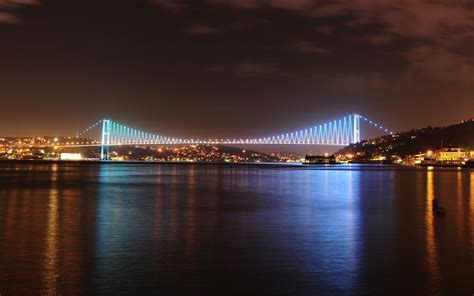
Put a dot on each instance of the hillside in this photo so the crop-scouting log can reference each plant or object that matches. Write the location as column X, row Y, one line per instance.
column 416, row 141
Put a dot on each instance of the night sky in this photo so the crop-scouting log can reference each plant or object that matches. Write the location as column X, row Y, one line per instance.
column 224, row 68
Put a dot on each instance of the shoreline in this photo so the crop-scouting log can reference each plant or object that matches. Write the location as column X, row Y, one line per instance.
column 256, row 164
column 143, row 162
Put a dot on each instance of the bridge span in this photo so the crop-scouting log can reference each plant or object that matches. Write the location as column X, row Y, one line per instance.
column 340, row 132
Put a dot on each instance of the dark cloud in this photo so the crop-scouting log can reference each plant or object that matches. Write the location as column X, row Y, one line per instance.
column 326, row 30
column 203, row 29
column 174, row 6
column 377, row 39
column 425, row 19
column 206, row 29
column 386, row 57
column 250, row 68
column 308, row 47
column 9, row 10
column 440, row 65
column 443, row 24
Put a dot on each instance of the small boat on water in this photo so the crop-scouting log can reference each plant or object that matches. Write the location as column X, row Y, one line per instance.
column 437, row 209
column 320, row 159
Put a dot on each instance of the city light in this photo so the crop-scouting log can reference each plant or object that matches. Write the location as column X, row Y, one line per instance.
column 71, row 156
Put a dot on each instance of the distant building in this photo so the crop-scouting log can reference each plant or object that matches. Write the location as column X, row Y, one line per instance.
column 470, row 154
column 71, row 156
column 450, row 154
column 320, row 159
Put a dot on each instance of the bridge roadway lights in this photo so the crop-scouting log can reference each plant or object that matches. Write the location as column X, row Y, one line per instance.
column 337, row 132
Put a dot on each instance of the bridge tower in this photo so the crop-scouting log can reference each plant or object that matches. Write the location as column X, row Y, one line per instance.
column 356, row 131
column 105, row 143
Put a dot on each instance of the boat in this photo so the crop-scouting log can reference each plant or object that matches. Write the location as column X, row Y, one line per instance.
column 320, row 159
column 437, row 209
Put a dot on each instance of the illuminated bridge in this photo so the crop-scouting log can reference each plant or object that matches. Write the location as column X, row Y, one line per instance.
column 341, row 132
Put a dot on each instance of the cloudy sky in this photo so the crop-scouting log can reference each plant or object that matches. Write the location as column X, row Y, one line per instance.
column 241, row 68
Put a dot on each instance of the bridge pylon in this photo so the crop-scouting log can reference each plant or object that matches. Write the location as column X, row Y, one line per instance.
column 105, row 143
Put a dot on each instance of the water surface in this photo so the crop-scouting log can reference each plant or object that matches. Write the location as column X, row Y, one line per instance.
column 234, row 230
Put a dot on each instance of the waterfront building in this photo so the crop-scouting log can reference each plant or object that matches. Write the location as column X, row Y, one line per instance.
column 450, row 154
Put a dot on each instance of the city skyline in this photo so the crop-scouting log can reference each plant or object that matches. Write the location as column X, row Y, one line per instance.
column 243, row 68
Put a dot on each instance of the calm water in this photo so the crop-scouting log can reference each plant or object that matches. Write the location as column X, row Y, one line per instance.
column 234, row 230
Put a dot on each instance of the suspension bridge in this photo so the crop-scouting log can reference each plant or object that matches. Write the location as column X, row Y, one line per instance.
column 340, row 132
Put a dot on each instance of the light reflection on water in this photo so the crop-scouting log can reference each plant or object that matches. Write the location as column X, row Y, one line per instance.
column 471, row 216
column 241, row 230
column 432, row 256
column 51, row 273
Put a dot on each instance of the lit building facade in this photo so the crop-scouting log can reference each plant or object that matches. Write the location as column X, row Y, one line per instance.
column 451, row 154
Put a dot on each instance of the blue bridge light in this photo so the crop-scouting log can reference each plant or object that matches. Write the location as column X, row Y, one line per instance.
column 340, row 132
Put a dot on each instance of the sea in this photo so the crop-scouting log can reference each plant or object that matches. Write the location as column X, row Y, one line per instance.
column 234, row 229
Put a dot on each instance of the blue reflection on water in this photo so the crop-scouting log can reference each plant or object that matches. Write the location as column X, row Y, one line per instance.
column 268, row 222
column 183, row 229
column 242, row 230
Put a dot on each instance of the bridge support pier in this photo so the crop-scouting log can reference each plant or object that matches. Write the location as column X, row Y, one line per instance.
column 105, row 140
column 356, row 131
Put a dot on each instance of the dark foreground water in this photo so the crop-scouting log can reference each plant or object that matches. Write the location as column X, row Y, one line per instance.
column 234, row 230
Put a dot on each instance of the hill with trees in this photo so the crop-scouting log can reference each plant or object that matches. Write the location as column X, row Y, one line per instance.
column 415, row 141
